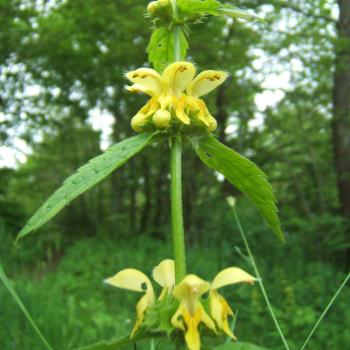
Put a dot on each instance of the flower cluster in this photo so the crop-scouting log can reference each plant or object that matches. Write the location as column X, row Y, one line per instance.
column 191, row 308
column 175, row 96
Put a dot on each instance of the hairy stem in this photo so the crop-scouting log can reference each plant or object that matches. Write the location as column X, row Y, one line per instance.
column 176, row 209
column 177, row 33
column 176, row 182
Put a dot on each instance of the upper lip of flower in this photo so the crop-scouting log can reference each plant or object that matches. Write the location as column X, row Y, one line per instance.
column 176, row 78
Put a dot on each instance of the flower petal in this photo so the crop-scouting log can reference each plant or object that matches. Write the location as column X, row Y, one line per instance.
column 231, row 275
column 220, row 310
column 146, row 80
column 131, row 279
column 136, row 88
column 191, row 287
column 164, row 274
column 205, row 318
column 144, row 303
column 179, row 105
column 192, row 336
column 177, row 319
column 206, row 82
column 178, row 75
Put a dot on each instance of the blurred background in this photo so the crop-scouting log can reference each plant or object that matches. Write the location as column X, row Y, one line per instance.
column 286, row 107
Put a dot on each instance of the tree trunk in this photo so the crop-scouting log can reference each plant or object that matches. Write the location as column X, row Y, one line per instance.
column 341, row 109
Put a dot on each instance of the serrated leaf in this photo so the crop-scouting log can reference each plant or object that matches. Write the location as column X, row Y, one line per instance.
column 86, row 177
column 235, row 12
column 193, row 8
column 239, row 346
column 161, row 47
column 243, row 174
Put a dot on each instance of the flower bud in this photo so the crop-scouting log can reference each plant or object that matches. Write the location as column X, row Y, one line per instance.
column 212, row 123
column 138, row 122
column 231, row 201
column 152, row 7
column 159, row 8
column 161, row 118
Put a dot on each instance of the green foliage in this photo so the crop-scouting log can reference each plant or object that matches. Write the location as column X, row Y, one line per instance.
column 18, row 301
column 243, row 174
column 235, row 12
column 161, row 47
column 113, row 345
column 239, row 346
column 86, row 177
column 194, row 8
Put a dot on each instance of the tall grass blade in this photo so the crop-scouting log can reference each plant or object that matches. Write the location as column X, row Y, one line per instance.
column 14, row 295
column 261, row 284
column 326, row 310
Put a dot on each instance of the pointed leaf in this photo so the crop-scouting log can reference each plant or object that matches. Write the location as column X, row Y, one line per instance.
column 86, row 177
column 189, row 8
column 235, row 12
column 243, row 174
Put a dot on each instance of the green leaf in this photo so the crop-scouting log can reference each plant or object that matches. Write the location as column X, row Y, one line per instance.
column 120, row 343
column 16, row 298
column 112, row 345
column 243, row 174
column 239, row 346
column 86, row 177
column 235, row 12
column 193, row 8
column 161, row 47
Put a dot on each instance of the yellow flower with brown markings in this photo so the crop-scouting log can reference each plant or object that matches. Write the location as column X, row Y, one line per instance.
column 174, row 95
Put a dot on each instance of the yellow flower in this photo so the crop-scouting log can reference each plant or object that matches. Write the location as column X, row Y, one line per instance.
column 219, row 308
column 175, row 93
column 137, row 281
column 191, row 311
column 164, row 275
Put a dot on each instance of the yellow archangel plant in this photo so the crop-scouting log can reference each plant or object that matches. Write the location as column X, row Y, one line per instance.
column 175, row 95
column 191, row 308
column 175, row 113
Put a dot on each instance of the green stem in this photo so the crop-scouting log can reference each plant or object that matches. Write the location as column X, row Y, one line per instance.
column 326, row 310
column 261, row 284
column 177, row 34
column 176, row 182
column 176, row 209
